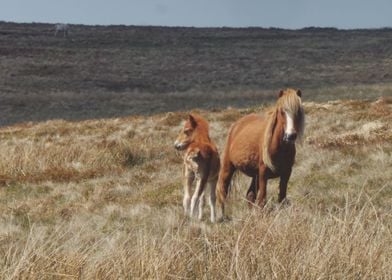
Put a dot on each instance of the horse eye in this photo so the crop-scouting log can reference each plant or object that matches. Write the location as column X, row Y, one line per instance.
column 187, row 132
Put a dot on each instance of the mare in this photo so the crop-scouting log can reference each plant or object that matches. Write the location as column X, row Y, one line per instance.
column 263, row 147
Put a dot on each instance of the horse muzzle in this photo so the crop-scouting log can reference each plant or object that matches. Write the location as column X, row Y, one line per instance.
column 179, row 146
column 290, row 138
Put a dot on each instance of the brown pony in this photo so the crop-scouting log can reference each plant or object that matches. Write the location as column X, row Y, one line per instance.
column 263, row 147
column 201, row 161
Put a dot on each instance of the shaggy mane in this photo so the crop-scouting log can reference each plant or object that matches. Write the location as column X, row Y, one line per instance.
column 291, row 103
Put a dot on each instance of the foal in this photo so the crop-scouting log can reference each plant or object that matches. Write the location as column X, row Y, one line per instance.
column 201, row 162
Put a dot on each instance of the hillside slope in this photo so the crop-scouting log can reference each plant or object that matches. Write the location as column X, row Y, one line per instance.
column 109, row 71
column 101, row 199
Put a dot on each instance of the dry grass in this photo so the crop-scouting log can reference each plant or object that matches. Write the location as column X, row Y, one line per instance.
column 102, row 200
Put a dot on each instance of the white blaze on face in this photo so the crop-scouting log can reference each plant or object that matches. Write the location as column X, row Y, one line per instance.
column 289, row 124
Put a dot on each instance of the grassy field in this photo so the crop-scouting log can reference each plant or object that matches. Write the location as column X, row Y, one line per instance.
column 90, row 183
column 101, row 199
column 112, row 71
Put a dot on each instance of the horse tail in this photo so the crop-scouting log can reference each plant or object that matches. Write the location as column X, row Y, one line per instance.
column 220, row 188
column 267, row 140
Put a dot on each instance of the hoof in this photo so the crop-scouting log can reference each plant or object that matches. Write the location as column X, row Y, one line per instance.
column 251, row 197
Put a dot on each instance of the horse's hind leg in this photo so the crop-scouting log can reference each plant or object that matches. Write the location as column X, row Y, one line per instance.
column 225, row 175
column 251, row 194
column 262, row 187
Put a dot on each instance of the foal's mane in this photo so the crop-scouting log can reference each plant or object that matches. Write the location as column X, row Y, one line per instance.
column 291, row 103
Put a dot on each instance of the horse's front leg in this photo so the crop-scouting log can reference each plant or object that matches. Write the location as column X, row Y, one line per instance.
column 197, row 195
column 284, row 179
column 189, row 178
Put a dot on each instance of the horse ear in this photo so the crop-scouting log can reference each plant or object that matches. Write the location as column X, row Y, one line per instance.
column 280, row 93
column 192, row 120
column 299, row 93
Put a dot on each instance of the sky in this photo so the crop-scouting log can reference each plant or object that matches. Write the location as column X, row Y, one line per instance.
column 292, row 14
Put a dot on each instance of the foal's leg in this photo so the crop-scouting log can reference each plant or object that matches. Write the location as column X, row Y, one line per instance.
column 251, row 194
column 284, row 179
column 201, row 203
column 189, row 178
column 200, row 185
column 212, row 199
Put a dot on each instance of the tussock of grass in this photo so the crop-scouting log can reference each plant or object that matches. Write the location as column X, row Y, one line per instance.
column 173, row 119
column 102, row 200
column 229, row 116
column 365, row 123
column 71, row 156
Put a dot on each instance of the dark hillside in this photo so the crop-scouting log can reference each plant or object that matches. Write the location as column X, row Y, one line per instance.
column 110, row 71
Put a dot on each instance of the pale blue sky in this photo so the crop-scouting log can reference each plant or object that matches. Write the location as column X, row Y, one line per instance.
column 202, row 13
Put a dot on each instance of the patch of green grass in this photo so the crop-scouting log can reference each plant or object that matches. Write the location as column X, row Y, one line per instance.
column 162, row 196
column 17, row 191
column 324, row 181
column 128, row 157
column 88, row 190
column 20, row 216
